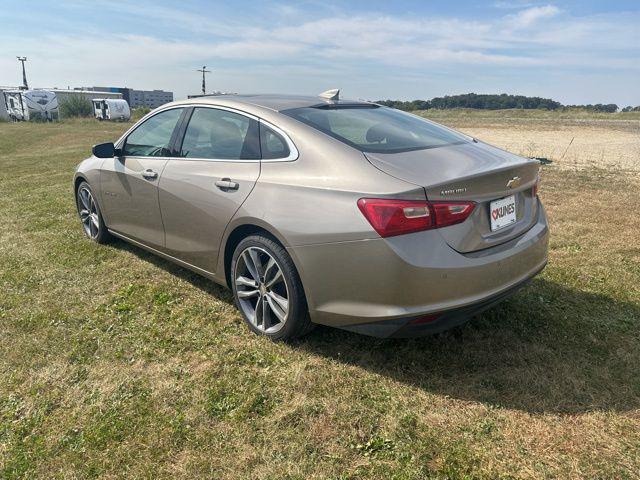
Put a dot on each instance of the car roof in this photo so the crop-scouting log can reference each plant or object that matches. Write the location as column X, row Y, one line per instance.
column 273, row 102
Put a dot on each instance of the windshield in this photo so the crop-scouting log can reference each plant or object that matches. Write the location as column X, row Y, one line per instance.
column 371, row 128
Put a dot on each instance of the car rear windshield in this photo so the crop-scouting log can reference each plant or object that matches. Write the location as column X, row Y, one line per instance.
column 371, row 128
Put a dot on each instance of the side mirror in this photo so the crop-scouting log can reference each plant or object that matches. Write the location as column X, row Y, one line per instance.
column 104, row 150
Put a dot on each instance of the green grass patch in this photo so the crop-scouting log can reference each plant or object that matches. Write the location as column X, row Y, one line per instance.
column 115, row 363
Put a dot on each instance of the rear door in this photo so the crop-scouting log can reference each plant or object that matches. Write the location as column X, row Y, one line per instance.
column 130, row 182
column 218, row 165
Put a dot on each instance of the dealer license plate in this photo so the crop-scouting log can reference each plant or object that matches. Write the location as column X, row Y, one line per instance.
column 502, row 212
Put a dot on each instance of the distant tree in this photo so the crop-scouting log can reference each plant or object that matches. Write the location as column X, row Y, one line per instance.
column 76, row 106
column 598, row 107
column 474, row 100
column 497, row 102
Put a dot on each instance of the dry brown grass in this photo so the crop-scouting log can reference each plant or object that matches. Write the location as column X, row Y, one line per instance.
column 574, row 142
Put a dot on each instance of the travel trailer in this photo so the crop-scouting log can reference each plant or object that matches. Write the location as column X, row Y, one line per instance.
column 25, row 105
column 111, row 109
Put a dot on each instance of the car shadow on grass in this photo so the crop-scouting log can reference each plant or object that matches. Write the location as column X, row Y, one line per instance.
column 195, row 279
column 547, row 349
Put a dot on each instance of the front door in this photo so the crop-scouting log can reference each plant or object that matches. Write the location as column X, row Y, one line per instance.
column 201, row 191
column 129, row 183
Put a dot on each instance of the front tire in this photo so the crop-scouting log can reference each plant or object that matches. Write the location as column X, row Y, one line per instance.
column 92, row 222
column 267, row 289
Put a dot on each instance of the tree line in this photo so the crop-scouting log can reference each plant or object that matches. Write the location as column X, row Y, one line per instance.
column 496, row 102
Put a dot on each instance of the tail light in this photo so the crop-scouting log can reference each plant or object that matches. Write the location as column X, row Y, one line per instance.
column 450, row 213
column 534, row 190
column 397, row 217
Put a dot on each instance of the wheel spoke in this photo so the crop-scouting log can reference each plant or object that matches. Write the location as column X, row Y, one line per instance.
column 267, row 270
column 247, row 293
column 255, row 258
column 275, row 308
column 94, row 220
column 83, row 198
column 282, row 302
column 258, row 312
column 248, row 261
column 276, row 278
column 246, row 282
column 266, row 318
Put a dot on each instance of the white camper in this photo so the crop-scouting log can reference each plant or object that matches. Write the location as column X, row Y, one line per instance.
column 25, row 105
column 111, row 109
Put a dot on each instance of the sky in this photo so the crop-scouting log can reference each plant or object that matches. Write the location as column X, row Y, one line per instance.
column 572, row 51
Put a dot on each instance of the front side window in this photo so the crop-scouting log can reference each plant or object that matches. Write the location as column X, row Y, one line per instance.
column 152, row 138
column 222, row 135
column 371, row 128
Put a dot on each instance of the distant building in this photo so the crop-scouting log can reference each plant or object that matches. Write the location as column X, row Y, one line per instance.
column 149, row 98
column 63, row 94
column 139, row 98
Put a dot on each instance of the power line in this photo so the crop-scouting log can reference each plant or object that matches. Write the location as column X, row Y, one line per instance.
column 203, row 70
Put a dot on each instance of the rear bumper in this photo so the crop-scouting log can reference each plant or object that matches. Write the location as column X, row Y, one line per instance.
column 379, row 286
column 421, row 326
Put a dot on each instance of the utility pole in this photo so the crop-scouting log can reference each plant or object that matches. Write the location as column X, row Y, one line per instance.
column 24, row 75
column 203, row 70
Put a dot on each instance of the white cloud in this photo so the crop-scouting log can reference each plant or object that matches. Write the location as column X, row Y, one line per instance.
column 528, row 17
column 318, row 50
column 514, row 4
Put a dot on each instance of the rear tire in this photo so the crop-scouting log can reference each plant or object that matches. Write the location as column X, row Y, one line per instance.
column 267, row 289
column 93, row 224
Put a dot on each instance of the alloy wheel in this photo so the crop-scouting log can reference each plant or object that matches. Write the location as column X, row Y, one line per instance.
column 88, row 213
column 261, row 289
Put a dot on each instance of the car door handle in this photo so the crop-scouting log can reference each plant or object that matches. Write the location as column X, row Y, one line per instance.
column 149, row 174
column 226, row 184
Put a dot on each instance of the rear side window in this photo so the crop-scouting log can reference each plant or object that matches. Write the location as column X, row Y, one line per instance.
column 220, row 134
column 273, row 145
column 153, row 136
column 376, row 129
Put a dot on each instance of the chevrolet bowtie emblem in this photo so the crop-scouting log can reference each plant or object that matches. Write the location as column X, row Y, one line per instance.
column 514, row 182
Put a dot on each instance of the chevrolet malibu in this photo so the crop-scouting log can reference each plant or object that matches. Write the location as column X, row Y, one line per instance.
column 321, row 210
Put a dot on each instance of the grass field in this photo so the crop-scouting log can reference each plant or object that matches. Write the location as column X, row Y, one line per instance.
column 117, row 364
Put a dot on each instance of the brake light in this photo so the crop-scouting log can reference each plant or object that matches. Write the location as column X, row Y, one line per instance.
column 397, row 217
column 534, row 190
column 450, row 213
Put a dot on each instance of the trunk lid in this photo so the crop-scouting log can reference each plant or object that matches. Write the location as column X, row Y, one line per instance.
column 470, row 172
